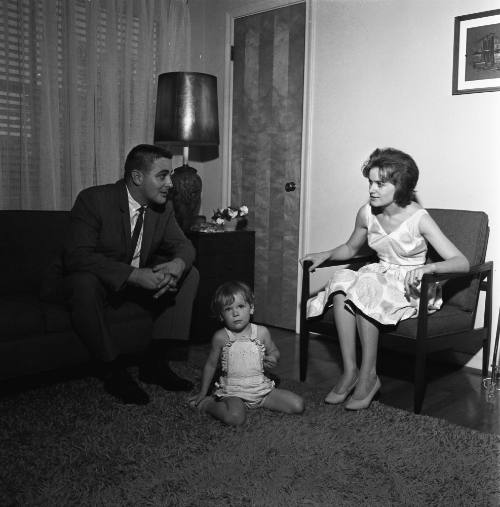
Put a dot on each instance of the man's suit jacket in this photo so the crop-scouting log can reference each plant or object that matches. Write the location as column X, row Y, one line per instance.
column 99, row 239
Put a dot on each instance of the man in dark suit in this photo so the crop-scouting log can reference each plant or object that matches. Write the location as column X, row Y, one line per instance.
column 124, row 244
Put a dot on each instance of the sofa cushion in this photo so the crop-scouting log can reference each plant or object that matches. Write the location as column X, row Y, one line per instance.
column 449, row 319
column 19, row 315
column 58, row 319
column 462, row 292
column 30, row 240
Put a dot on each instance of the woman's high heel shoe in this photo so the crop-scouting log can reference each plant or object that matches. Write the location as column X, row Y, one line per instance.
column 353, row 404
column 334, row 398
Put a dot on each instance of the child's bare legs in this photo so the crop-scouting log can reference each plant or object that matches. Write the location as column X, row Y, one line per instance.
column 368, row 335
column 285, row 401
column 231, row 410
column 345, row 323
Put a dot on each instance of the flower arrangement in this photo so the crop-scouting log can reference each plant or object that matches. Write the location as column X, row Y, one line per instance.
column 227, row 214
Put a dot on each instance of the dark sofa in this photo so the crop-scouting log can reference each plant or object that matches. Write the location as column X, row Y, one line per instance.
column 35, row 334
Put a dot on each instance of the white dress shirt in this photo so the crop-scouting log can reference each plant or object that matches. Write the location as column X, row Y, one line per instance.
column 133, row 207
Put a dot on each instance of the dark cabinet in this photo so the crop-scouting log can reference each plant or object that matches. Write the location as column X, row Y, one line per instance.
column 220, row 257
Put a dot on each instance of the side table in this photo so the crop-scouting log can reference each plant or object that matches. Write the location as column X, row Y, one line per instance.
column 220, row 257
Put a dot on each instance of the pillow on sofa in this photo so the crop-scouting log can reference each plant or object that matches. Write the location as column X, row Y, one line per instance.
column 30, row 240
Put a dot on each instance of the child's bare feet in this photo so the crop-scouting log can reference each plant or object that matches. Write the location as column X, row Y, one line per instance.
column 199, row 404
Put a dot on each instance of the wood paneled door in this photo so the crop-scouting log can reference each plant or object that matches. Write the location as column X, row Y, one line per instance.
column 268, row 90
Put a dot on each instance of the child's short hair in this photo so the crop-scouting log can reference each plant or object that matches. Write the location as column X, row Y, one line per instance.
column 225, row 293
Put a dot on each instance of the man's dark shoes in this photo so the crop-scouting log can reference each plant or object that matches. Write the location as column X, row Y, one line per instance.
column 160, row 374
column 121, row 385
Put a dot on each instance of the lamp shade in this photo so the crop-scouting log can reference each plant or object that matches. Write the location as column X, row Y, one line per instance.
column 186, row 109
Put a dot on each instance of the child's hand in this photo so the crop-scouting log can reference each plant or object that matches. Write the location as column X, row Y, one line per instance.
column 195, row 400
column 270, row 361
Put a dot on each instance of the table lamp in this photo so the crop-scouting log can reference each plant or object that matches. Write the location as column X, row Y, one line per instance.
column 186, row 115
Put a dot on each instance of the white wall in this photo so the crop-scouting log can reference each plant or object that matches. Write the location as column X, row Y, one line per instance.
column 381, row 76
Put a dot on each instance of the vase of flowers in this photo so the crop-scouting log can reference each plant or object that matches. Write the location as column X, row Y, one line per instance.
column 230, row 218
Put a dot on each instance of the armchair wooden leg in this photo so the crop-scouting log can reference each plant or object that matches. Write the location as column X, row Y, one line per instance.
column 419, row 382
column 486, row 353
column 303, row 354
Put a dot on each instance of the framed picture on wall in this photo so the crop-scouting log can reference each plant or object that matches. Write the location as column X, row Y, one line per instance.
column 476, row 53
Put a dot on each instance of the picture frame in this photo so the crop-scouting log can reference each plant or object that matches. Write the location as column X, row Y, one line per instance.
column 476, row 53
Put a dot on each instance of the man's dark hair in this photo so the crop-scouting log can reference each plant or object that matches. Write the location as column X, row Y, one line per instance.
column 399, row 169
column 141, row 157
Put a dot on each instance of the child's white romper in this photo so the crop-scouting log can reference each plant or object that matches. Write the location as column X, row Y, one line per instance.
column 242, row 362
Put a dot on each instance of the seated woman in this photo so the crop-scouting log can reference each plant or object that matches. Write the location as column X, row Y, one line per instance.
column 398, row 229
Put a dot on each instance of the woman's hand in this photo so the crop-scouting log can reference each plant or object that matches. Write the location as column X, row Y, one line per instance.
column 414, row 277
column 345, row 251
column 316, row 259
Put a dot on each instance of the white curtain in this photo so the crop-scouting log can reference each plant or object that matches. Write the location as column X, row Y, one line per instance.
column 78, row 90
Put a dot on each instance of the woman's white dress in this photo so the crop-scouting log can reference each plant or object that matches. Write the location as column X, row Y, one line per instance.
column 377, row 290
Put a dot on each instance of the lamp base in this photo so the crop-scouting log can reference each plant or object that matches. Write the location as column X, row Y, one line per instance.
column 186, row 195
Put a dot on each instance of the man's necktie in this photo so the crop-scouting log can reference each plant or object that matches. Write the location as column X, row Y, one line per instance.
column 137, row 232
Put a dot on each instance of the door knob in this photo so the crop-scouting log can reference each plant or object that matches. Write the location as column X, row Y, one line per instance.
column 290, row 186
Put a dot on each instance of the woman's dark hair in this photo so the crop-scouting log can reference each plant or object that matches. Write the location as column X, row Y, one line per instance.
column 225, row 293
column 142, row 156
column 398, row 168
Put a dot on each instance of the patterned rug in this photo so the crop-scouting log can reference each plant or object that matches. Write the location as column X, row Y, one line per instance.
column 70, row 444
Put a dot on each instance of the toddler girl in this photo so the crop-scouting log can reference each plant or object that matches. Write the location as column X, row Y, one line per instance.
column 242, row 349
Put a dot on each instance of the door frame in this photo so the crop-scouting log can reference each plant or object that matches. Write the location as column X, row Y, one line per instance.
column 257, row 7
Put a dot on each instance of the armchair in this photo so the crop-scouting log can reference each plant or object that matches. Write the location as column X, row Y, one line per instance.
column 450, row 327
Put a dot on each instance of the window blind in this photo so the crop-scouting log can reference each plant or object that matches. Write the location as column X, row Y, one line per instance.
column 77, row 90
